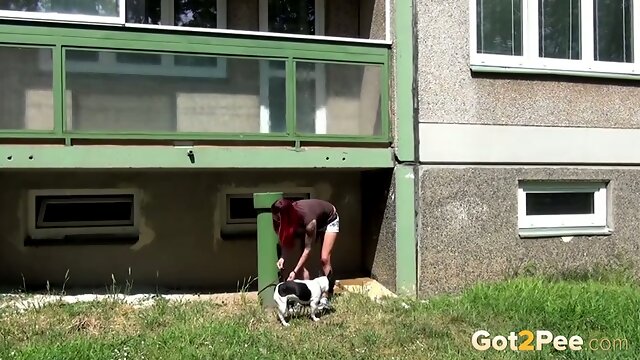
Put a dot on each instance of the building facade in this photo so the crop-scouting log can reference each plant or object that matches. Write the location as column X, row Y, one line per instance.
column 527, row 125
column 461, row 141
column 134, row 134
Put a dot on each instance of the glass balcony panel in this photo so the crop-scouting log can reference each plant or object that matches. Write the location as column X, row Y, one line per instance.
column 106, row 8
column 338, row 99
column 26, row 94
column 134, row 92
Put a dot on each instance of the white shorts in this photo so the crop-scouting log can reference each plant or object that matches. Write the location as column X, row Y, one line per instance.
column 333, row 227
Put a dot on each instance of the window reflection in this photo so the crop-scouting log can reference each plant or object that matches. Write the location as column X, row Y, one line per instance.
column 292, row 16
column 190, row 13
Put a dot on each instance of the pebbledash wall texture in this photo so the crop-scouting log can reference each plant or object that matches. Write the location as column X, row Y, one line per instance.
column 480, row 134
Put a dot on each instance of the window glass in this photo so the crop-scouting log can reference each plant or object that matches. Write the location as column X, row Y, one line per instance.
column 559, row 29
column 26, row 94
column 107, row 8
column 560, row 203
column 499, row 27
column 292, row 16
column 190, row 13
column 613, row 30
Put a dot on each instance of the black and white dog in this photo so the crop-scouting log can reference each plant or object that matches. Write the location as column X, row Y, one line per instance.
column 303, row 292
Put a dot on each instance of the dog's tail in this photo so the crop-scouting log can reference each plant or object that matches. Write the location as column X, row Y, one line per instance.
column 275, row 283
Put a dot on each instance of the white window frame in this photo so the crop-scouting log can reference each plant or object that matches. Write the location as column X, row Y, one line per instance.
column 266, row 73
column 530, row 61
column 566, row 224
column 238, row 226
column 62, row 17
column 107, row 62
column 74, row 228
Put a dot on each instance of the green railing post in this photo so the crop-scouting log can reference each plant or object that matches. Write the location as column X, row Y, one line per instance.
column 267, row 241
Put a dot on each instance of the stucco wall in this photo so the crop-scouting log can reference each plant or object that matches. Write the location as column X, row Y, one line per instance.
column 180, row 244
column 448, row 92
column 469, row 231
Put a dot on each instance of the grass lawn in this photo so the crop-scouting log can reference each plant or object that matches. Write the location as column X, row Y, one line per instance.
column 358, row 329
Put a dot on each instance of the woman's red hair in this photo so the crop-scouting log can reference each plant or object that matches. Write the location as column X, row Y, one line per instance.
column 289, row 221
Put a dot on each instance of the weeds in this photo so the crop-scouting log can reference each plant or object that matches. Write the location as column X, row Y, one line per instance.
column 594, row 306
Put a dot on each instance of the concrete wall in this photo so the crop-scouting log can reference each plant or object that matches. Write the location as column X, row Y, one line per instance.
column 180, row 244
column 480, row 134
column 469, row 226
column 379, row 226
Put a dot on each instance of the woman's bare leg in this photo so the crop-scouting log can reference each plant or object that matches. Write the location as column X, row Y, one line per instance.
column 327, row 248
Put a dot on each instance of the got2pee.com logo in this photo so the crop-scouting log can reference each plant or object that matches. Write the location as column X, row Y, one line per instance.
column 536, row 340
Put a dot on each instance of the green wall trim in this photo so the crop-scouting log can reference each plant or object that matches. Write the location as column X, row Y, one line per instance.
column 406, row 243
column 151, row 39
column 404, row 71
column 204, row 157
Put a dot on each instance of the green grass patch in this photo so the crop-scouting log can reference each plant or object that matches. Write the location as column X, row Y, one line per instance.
column 441, row 328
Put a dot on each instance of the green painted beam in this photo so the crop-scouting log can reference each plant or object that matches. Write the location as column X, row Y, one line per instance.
column 404, row 65
column 406, row 240
column 267, row 242
column 204, row 157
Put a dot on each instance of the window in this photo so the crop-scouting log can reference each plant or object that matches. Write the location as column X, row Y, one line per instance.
column 554, row 208
column 302, row 18
column 90, row 11
column 240, row 215
column 60, row 214
column 556, row 35
column 178, row 13
column 181, row 13
column 240, row 209
column 209, row 14
column 26, row 95
column 138, row 63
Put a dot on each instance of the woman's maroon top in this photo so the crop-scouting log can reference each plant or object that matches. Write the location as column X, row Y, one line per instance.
column 323, row 212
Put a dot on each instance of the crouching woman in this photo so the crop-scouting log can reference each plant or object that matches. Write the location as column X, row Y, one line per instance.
column 303, row 222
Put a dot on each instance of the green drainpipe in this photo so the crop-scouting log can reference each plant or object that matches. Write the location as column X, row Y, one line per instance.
column 267, row 241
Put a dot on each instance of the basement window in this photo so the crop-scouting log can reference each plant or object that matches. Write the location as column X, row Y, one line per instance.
column 66, row 214
column 240, row 208
column 241, row 218
column 562, row 209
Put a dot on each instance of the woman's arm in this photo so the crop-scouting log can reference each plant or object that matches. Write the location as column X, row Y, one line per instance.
column 310, row 235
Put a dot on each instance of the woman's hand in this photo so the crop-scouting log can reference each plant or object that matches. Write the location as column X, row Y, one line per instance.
column 292, row 275
column 280, row 264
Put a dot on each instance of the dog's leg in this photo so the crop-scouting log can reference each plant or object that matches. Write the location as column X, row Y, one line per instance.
column 282, row 313
column 314, row 308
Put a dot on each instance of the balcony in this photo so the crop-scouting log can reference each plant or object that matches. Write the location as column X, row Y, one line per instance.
column 70, row 84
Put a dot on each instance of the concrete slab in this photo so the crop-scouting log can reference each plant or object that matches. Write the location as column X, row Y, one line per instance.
column 366, row 286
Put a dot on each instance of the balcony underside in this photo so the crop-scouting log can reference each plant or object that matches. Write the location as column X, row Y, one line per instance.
column 197, row 157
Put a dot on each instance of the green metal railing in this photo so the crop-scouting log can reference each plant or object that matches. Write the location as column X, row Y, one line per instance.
column 60, row 39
